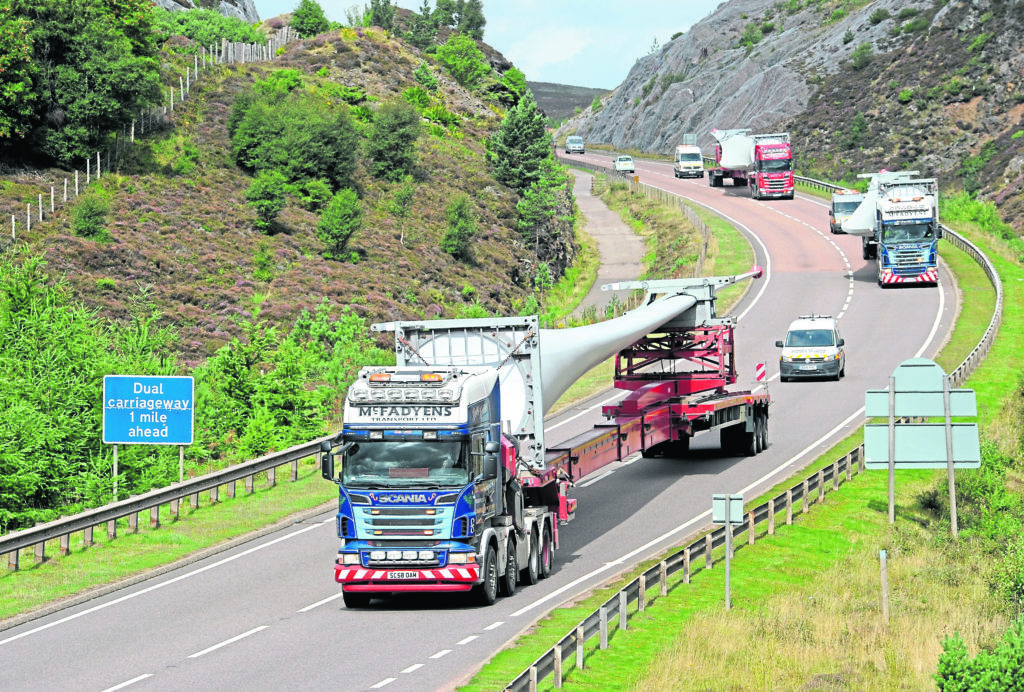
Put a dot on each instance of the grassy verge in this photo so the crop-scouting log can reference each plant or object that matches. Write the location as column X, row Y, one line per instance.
column 109, row 561
column 806, row 602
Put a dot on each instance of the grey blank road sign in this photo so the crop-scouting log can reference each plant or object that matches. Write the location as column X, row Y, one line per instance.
column 922, row 446
column 718, row 511
column 962, row 403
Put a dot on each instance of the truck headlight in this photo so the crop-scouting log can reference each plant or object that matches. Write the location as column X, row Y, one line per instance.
column 350, row 558
column 461, row 558
column 426, row 555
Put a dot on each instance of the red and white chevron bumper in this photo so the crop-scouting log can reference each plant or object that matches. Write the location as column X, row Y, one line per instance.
column 930, row 276
column 356, row 578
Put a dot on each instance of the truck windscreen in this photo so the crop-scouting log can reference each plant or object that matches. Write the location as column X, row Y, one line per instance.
column 403, row 464
column 907, row 233
column 688, row 157
column 775, row 165
column 845, row 207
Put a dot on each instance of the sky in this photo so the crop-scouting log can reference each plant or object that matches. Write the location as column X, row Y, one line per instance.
column 589, row 43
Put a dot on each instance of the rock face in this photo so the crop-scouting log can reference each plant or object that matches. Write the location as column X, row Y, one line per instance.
column 911, row 84
column 243, row 9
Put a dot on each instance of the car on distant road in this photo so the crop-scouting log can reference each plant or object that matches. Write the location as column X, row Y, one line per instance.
column 624, row 164
column 574, row 145
column 812, row 348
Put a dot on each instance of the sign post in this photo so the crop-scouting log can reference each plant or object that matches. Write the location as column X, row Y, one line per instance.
column 143, row 409
column 728, row 510
column 919, row 388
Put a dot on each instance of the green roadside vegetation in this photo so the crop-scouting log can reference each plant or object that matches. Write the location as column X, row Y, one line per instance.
column 806, row 604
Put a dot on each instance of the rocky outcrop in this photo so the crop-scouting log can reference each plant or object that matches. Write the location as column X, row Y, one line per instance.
column 936, row 87
column 242, row 9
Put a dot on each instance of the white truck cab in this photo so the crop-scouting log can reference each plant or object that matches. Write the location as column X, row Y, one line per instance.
column 812, row 348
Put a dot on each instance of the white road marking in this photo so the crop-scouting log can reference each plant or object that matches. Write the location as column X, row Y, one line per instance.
column 413, row 668
column 320, row 603
column 595, row 479
column 162, row 584
column 441, row 654
column 467, row 640
column 494, row 625
column 126, row 683
column 383, row 683
column 243, row 635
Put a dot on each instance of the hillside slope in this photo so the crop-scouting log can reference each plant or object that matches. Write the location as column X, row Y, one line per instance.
column 928, row 85
column 181, row 233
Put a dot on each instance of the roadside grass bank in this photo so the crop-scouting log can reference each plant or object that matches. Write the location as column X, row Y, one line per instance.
column 816, row 619
column 109, row 561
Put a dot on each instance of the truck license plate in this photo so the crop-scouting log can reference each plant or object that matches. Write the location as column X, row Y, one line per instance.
column 403, row 575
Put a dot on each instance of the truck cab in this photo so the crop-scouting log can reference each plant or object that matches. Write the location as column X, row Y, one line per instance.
column 906, row 233
column 772, row 171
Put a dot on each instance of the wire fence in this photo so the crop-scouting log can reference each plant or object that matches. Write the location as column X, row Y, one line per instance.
column 51, row 198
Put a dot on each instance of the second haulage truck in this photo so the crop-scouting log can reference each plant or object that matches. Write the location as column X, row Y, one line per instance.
column 445, row 481
column 762, row 162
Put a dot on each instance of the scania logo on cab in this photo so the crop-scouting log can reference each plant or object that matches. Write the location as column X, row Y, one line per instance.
column 403, row 498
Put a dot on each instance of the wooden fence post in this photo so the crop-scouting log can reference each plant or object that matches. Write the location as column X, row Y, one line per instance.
column 663, row 575
column 579, row 647
column 771, row 517
column 87, row 537
column 750, row 527
column 789, row 507
column 133, row 522
column 686, row 565
column 835, row 475
column 821, row 485
column 558, row 666
column 65, row 544
column 112, row 528
column 641, row 601
column 154, row 517
column 603, row 620
column 707, row 551
column 623, row 610
column 807, row 491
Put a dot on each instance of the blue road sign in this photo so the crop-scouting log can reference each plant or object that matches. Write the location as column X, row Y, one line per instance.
column 145, row 410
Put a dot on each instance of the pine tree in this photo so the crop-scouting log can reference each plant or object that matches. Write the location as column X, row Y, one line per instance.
column 520, row 146
column 308, row 19
column 471, row 19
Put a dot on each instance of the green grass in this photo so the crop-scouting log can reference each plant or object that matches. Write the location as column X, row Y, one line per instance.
column 107, row 561
column 805, row 602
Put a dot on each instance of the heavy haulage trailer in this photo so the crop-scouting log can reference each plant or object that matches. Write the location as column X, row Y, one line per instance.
column 445, row 481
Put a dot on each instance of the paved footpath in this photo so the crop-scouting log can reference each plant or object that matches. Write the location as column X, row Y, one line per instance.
column 621, row 249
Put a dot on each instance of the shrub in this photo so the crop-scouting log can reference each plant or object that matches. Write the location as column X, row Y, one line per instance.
column 862, row 56
column 847, row 37
column 464, row 60
column 105, row 283
column 596, row 104
column 342, row 217
column 751, row 35
column 878, row 16
column 905, row 95
column 998, row 669
column 906, row 13
column 266, row 197
column 424, row 76
column 308, row 19
column 392, row 144
column 313, row 194
column 979, row 43
column 89, row 216
column 417, row 96
column 278, row 82
column 916, row 24
column 461, row 228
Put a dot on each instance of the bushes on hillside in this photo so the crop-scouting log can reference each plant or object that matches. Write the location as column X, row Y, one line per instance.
column 252, row 397
column 461, row 228
column 342, row 217
column 520, row 145
column 466, row 63
column 392, row 143
column 308, row 19
column 204, row 27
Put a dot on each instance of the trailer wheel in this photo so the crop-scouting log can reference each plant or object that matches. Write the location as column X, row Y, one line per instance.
column 531, row 573
column 355, row 599
column 507, row 584
column 764, row 431
column 486, row 592
column 547, row 553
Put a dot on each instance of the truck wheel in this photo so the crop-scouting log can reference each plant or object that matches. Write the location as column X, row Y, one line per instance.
column 531, row 573
column 507, row 583
column 547, row 553
column 764, row 431
column 487, row 591
column 355, row 599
